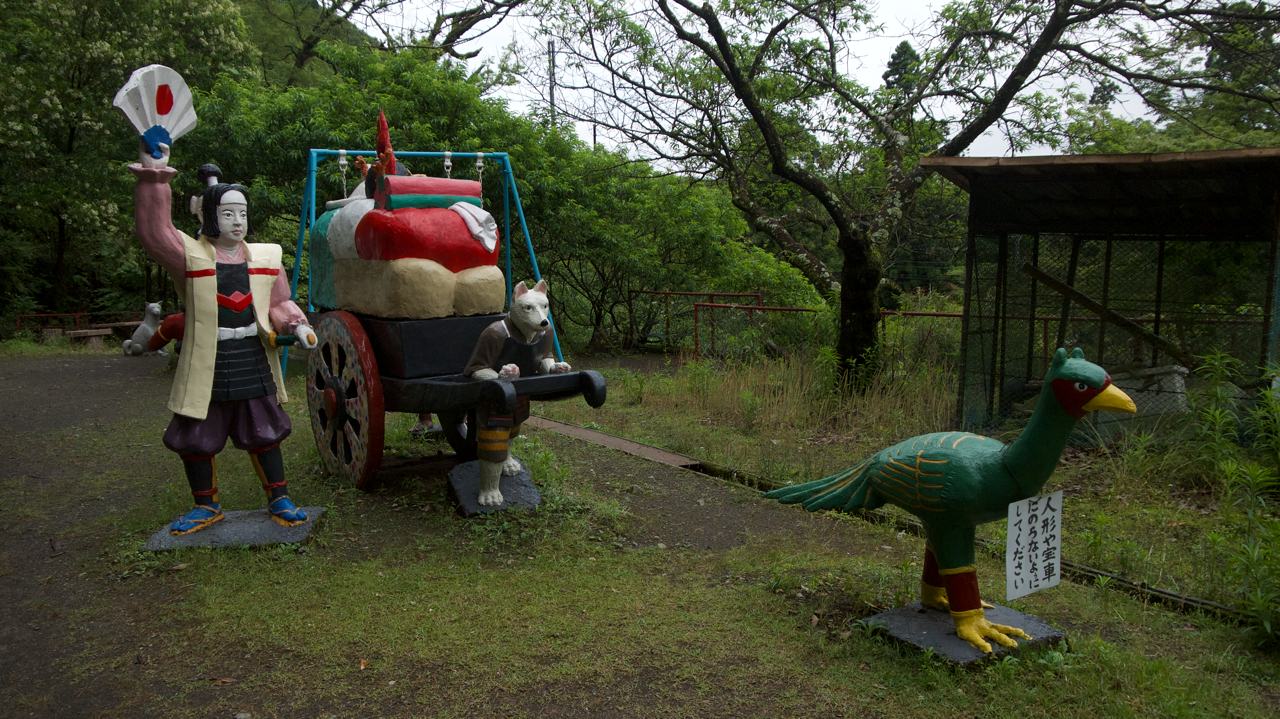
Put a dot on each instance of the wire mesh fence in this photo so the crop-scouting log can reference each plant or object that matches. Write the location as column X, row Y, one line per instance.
column 749, row 330
column 911, row 340
column 726, row 325
column 1143, row 307
column 693, row 324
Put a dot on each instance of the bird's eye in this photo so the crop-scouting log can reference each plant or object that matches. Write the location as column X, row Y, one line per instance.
column 1081, row 387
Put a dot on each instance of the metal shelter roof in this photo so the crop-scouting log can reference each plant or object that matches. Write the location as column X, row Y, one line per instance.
column 1226, row 194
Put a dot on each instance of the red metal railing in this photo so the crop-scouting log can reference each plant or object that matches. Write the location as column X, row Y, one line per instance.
column 710, row 296
column 750, row 310
column 78, row 319
column 74, row 320
column 686, row 293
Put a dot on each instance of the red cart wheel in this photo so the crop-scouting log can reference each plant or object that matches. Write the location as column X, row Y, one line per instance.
column 344, row 396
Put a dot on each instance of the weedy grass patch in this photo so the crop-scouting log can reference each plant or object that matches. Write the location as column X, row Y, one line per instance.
column 398, row 607
column 1159, row 507
column 25, row 344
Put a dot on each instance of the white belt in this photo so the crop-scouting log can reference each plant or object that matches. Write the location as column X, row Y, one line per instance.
column 237, row 333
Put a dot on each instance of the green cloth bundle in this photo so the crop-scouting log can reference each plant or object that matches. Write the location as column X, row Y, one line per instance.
column 396, row 202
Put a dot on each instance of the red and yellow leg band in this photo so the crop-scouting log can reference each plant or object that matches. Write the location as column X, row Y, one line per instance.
column 931, row 575
column 933, row 593
column 267, row 484
column 962, row 589
column 493, row 443
column 212, row 492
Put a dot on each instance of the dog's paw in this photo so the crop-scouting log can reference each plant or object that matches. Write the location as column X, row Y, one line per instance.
column 485, row 373
column 511, row 467
column 560, row 368
column 509, row 371
column 421, row 430
column 489, row 497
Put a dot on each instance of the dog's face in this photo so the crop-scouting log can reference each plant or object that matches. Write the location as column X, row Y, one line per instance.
column 153, row 309
column 529, row 307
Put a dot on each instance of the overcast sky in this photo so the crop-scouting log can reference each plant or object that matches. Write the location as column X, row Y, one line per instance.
column 871, row 55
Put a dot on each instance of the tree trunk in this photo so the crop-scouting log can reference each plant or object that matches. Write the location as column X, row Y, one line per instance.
column 58, row 296
column 857, row 341
column 786, row 247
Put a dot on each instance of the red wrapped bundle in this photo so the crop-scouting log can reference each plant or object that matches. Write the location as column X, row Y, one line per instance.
column 427, row 233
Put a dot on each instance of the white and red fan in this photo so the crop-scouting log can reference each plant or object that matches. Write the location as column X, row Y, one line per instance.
column 158, row 102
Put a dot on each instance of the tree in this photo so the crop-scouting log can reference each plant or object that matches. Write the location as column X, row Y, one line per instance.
column 754, row 93
column 621, row 228
column 1201, row 118
column 66, row 226
column 65, row 233
column 290, row 32
column 904, row 68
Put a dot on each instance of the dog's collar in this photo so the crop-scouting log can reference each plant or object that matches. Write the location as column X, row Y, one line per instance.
column 509, row 327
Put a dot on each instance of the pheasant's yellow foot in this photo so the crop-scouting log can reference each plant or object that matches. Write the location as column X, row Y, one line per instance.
column 933, row 597
column 973, row 627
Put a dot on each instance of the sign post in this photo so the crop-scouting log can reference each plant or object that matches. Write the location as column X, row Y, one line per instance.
column 1033, row 548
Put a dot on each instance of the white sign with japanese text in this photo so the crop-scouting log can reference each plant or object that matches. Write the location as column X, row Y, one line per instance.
column 1033, row 549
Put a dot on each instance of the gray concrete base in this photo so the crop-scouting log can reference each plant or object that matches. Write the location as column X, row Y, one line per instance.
column 931, row 629
column 241, row 528
column 517, row 490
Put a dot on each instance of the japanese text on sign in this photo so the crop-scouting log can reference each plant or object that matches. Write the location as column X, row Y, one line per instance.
column 1032, row 550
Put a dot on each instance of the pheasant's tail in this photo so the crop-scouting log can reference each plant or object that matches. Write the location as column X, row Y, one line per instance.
column 846, row 489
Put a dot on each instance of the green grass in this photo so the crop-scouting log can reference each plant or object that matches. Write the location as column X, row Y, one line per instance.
column 1129, row 508
column 776, row 419
column 554, row 620
column 27, row 346
column 398, row 607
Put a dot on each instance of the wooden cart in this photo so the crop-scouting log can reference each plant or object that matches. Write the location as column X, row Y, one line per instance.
column 367, row 366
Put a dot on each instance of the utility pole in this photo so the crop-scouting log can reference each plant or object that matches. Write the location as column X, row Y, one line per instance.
column 551, row 78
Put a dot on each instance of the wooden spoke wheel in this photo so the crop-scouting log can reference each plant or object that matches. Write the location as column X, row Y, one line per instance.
column 344, row 396
column 460, row 431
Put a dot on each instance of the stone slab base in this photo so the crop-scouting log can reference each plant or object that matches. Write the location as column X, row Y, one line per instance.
column 241, row 528
column 930, row 629
column 464, row 488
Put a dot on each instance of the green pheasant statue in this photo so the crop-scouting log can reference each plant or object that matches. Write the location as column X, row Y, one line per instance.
column 954, row 481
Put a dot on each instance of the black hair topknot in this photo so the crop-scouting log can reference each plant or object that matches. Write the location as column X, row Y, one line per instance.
column 206, row 171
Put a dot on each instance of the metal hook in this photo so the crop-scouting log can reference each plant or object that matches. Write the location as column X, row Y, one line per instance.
column 342, row 165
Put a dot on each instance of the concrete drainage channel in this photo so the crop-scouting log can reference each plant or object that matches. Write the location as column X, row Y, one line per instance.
column 1071, row 571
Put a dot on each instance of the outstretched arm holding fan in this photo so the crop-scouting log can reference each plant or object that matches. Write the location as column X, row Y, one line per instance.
column 228, row 383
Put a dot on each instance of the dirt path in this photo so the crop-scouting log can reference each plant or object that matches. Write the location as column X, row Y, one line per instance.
column 62, row 491
column 91, row 627
column 46, row 550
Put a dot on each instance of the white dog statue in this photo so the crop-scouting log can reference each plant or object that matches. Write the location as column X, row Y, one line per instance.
column 137, row 344
column 520, row 344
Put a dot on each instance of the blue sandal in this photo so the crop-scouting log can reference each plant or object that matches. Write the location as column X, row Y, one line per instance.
column 199, row 517
column 285, row 513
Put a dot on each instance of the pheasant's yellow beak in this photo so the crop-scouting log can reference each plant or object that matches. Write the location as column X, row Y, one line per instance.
column 1111, row 398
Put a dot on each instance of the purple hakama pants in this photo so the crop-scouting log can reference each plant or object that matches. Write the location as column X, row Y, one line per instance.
column 252, row 424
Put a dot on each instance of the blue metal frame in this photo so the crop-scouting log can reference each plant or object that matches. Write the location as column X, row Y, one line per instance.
column 510, row 195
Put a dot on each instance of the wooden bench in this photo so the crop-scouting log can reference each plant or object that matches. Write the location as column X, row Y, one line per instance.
column 91, row 337
column 123, row 330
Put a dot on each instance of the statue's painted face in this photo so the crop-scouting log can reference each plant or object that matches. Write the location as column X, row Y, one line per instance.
column 233, row 217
